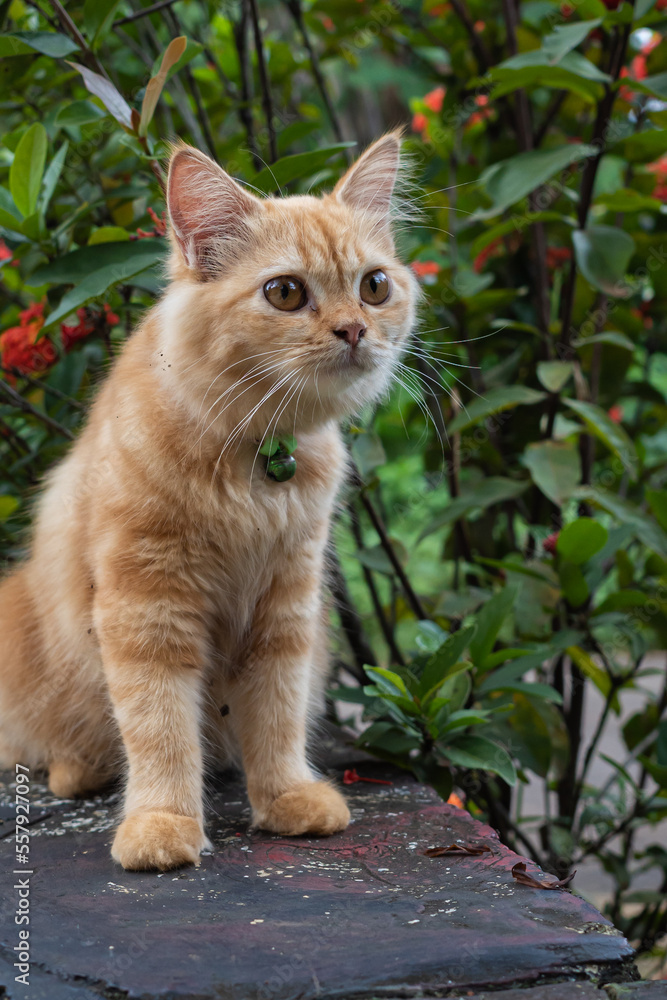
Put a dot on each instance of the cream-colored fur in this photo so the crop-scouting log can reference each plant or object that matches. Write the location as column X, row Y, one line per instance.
column 169, row 577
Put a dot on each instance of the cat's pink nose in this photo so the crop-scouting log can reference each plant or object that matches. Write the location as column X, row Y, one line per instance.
column 352, row 333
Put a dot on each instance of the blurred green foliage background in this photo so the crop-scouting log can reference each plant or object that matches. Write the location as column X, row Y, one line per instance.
column 499, row 564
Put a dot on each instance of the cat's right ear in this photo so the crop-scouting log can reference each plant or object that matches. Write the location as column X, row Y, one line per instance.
column 209, row 212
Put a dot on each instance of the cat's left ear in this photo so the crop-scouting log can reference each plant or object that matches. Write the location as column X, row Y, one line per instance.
column 369, row 183
column 210, row 213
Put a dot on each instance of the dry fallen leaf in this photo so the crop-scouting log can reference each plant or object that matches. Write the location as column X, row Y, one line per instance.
column 468, row 849
column 521, row 875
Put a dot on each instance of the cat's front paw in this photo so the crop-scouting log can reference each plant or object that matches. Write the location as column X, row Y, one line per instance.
column 158, row 839
column 312, row 807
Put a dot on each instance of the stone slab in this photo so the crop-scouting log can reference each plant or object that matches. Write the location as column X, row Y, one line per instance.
column 550, row 991
column 360, row 914
column 652, row 990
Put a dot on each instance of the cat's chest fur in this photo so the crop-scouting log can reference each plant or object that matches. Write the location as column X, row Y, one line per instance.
column 257, row 525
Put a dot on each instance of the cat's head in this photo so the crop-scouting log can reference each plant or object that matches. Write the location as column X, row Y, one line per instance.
column 298, row 302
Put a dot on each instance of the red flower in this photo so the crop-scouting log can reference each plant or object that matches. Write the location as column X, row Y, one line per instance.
column 350, row 777
column 89, row 321
column 479, row 26
column 159, row 229
column 5, row 252
column 556, row 257
column 615, row 413
column 22, row 348
column 454, row 800
column 433, row 100
column 549, row 543
column 419, row 123
column 494, row 249
column 422, row 268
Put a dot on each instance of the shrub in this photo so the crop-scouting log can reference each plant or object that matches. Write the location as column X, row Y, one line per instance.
column 501, row 566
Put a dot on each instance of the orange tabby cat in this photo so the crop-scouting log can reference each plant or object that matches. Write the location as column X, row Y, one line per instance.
column 171, row 576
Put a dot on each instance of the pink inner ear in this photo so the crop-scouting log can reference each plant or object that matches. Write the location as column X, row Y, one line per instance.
column 208, row 210
column 369, row 183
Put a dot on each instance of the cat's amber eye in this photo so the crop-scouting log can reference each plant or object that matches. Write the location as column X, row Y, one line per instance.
column 374, row 287
column 286, row 293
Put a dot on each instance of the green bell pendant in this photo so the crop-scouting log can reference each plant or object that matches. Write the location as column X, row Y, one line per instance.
column 281, row 467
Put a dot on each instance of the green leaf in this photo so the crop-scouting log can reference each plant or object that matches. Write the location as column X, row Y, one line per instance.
column 48, row 43
column 172, row 54
column 368, row 452
column 452, row 695
column 464, row 718
column 606, row 337
column 97, row 16
column 481, row 754
column 579, row 541
column 290, row 168
column 52, row 175
column 544, row 691
column 504, row 397
column 112, row 100
column 511, row 180
column 533, row 69
column 517, row 224
column 608, row 431
column 109, row 234
column 439, row 665
column 554, row 374
column 657, row 501
column 624, row 600
column 642, row 525
column 555, row 467
column 388, row 681
column 573, row 62
column 566, row 37
column 489, row 621
column 590, row 669
column 603, row 254
column 573, row 584
column 642, row 7
column 486, row 493
column 10, row 216
column 659, row 774
column 25, row 175
column 642, row 147
column 656, row 84
column 627, row 200
column 8, row 504
column 79, row 113
column 661, row 743
column 98, row 282
column 532, row 734
column 75, row 266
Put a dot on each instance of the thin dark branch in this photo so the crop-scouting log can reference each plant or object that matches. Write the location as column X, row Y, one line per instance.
column 385, row 624
column 386, row 544
column 296, row 11
column 143, row 13
column 22, row 404
column 38, row 384
column 193, row 86
column 240, row 29
column 550, row 116
column 35, row 6
column 267, row 101
column 476, row 42
column 71, row 29
column 349, row 618
column 600, row 131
